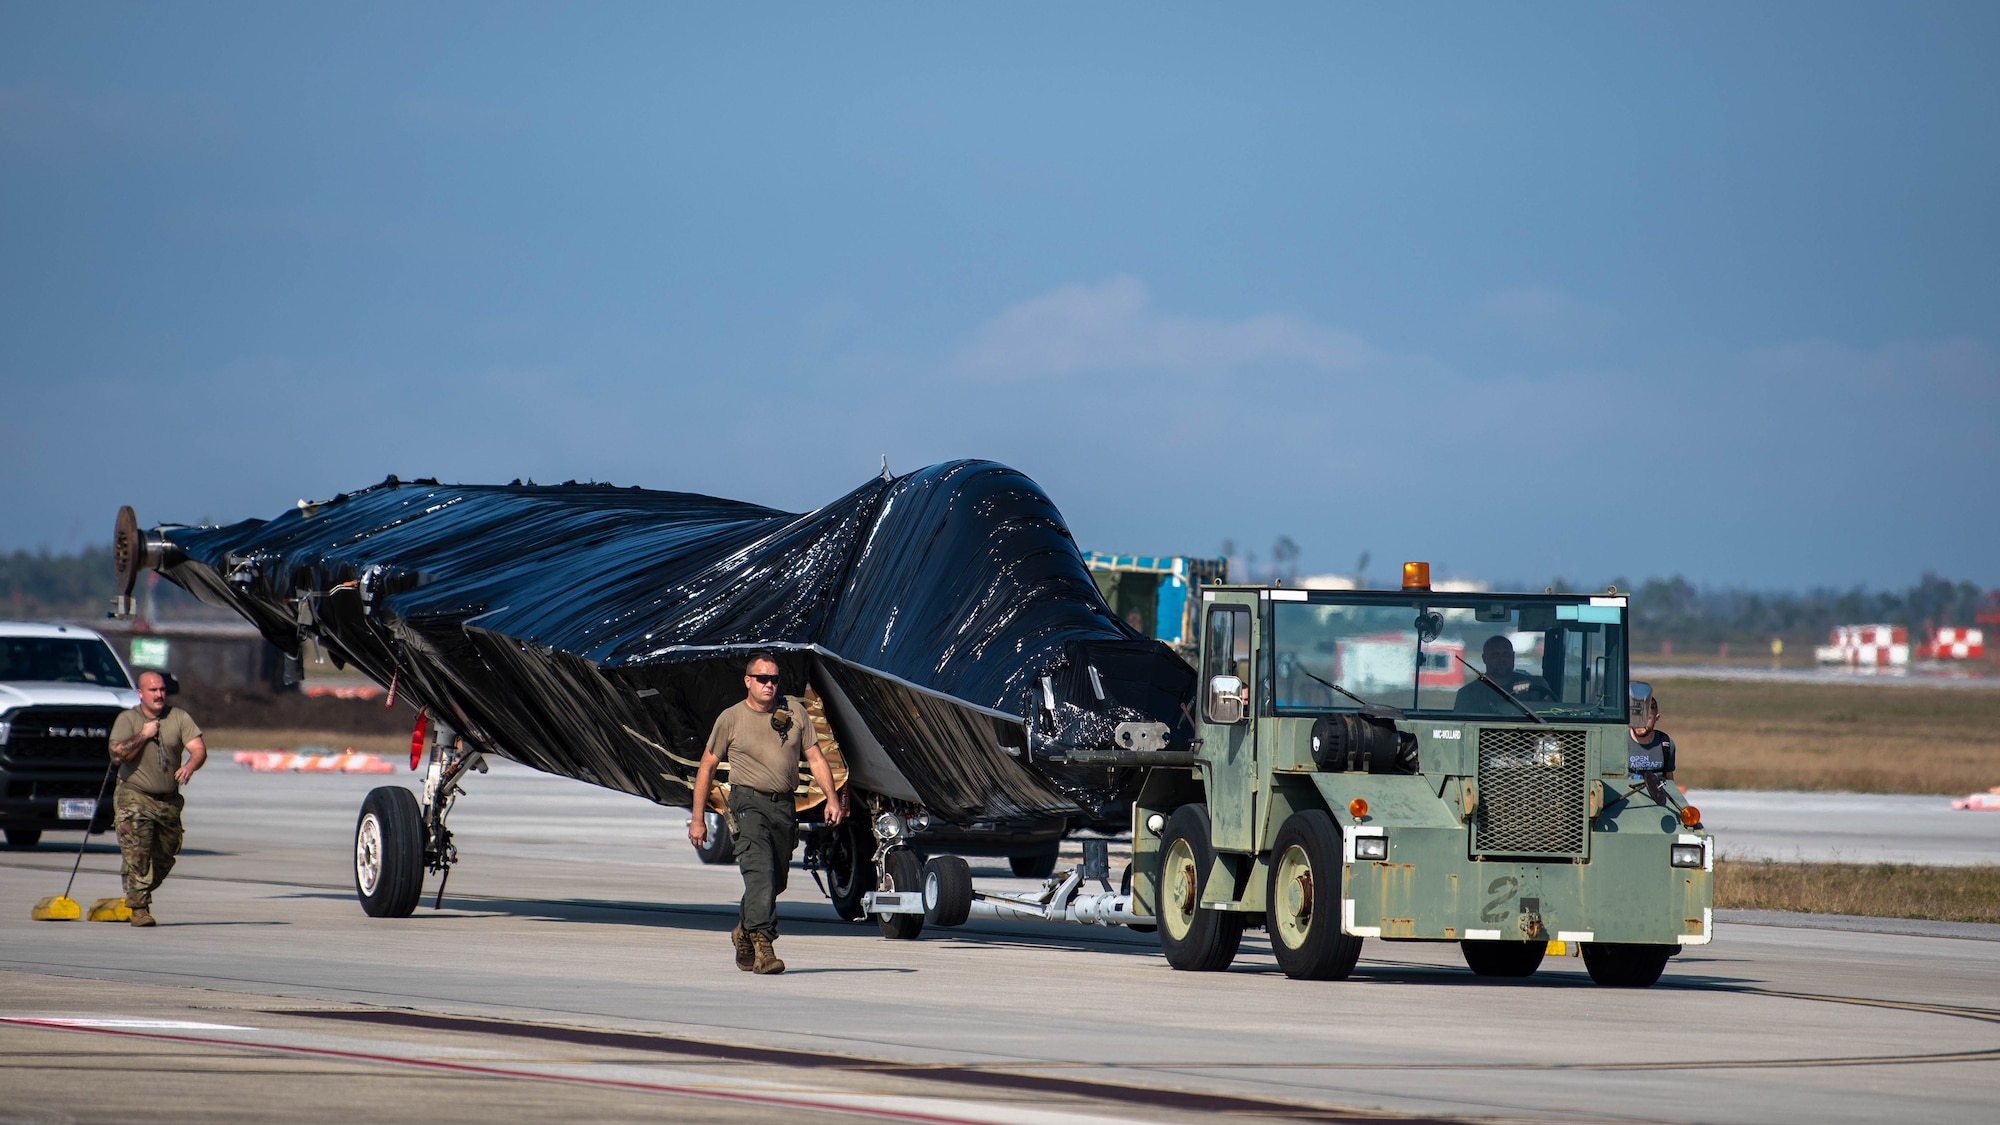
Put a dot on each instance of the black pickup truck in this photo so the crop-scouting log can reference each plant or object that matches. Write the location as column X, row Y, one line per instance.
column 60, row 688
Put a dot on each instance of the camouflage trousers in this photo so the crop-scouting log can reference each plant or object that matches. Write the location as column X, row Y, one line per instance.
column 149, row 837
column 765, row 838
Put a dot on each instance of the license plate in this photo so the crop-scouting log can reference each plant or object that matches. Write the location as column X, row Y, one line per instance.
column 76, row 808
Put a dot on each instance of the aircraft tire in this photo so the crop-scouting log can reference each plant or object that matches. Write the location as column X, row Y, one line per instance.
column 718, row 846
column 1303, row 911
column 1036, row 865
column 23, row 837
column 903, row 874
column 850, row 867
column 389, row 853
column 1194, row 939
column 947, row 891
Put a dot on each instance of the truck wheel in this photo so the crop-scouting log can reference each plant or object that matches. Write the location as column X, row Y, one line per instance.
column 1503, row 958
column 1194, row 939
column 1303, row 904
column 902, row 874
column 1125, row 888
column 1625, row 966
column 947, row 891
column 1038, row 865
column 850, row 867
column 23, row 837
column 389, row 853
column 718, row 846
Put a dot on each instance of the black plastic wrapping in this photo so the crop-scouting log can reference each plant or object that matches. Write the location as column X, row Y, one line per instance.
column 595, row 632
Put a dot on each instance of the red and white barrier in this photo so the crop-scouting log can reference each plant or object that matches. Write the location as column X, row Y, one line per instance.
column 1866, row 646
column 287, row 761
column 1988, row 801
column 1951, row 642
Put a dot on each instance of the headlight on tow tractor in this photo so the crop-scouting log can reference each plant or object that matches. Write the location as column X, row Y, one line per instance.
column 1686, row 855
column 1371, row 847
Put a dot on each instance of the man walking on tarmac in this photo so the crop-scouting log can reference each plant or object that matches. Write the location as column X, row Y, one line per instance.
column 762, row 739
column 148, row 743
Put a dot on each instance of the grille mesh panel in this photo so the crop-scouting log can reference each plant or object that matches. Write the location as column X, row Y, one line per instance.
column 1532, row 802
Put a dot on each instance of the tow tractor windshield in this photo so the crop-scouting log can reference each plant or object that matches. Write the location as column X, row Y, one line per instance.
column 63, row 660
column 1544, row 657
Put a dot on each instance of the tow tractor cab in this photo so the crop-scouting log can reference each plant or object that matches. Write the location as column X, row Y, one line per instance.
column 1418, row 766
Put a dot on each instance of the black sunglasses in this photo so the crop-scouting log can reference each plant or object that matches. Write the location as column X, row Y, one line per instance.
column 765, row 679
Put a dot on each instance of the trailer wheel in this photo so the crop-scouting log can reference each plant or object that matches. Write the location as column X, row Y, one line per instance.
column 1503, row 958
column 718, row 846
column 1625, row 966
column 1125, row 888
column 1036, row 865
column 902, row 874
column 850, row 867
column 947, row 891
column 23, row 837
column 389, row 853
column 1302, row 913
column 1193, row 939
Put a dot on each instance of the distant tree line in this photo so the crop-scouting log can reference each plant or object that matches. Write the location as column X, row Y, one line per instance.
column 35, row 585
column 1677, row 611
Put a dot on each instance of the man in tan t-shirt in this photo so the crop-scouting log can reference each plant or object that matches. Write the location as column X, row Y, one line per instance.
column 762, row 739
column 157, row 748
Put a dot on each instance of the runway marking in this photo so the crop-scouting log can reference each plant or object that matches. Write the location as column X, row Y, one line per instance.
column 994, row 1076
column 739, row 1097
column 156, row 1025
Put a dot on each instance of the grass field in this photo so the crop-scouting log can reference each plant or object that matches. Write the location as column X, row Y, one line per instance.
column 1853, row 737
column 1882, row 890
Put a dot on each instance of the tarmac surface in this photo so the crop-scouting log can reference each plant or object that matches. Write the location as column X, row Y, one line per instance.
column 1847, row 827
column 580, row 968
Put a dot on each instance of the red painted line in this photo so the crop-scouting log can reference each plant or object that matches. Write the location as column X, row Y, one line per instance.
column 502, row 1072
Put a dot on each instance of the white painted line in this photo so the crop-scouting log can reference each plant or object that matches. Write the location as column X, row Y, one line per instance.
column 1573, row 935
column 148, row 1025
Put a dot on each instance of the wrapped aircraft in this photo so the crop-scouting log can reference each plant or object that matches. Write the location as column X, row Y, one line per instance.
column 942, row 626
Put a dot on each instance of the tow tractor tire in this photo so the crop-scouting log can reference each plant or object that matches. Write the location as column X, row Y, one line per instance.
column 1125, row 888
column 1192, row 938
column 23, row 837
column 389, row 853
column 718, row 846
column 850, row 867
column 1302, row 913
column 1504, row 958
column 902, row 873
column 947, row 891
column 1036, row 865
column 1625, row 966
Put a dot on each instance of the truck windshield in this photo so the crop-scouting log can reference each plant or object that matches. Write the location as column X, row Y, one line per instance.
column 67, row 660
column 1558, row 656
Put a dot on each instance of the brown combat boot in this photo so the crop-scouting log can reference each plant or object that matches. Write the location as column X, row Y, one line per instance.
column 746, row 951
column 767, row 958
column 143, row 917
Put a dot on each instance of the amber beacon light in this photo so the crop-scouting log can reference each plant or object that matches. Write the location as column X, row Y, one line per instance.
column 1416, row 576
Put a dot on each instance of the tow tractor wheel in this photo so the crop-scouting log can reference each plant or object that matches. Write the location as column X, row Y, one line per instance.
column 389, row 853
column 1625, row 966
column 718, row 846
column 901, row 872
column 1192, row 938
column 1303, row 904
column 1504, row 958
column 850, row 867
column 947, row 891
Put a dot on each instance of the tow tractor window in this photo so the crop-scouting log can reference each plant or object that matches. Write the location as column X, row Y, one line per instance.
column 1227, row 659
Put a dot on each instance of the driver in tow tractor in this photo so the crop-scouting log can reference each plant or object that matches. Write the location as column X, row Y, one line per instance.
column 1479, row 697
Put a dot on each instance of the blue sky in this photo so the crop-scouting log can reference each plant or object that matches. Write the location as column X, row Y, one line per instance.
column 1578, row 290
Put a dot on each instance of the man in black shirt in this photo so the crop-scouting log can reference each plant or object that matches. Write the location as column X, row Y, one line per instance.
column 1479, row 698
column 1650, row 753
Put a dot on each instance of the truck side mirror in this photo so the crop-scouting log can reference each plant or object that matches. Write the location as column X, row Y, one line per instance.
column 1639, row 698
column 1225, row 700
column 171, row 682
